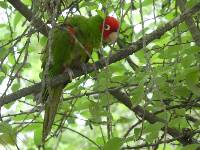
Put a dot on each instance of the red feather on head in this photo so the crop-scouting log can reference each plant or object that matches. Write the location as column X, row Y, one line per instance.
column 111, row 25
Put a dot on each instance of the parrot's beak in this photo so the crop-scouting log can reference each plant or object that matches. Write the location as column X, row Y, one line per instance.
column 112, row 37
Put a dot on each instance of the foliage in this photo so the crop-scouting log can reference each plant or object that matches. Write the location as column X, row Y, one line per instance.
column 162, row 77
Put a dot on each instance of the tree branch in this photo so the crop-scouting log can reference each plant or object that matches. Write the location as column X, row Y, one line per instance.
column 150, row 117
column 27, row 13
column 121, row 54
column 190, row 23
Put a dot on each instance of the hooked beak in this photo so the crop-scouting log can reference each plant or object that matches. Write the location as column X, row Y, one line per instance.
column 112, row 37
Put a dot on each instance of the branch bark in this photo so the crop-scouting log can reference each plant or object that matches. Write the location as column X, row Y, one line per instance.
column 27, row 13
column 121, row 54
column 151, row 118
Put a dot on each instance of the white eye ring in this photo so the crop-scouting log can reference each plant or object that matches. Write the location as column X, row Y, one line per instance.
column 106, row 27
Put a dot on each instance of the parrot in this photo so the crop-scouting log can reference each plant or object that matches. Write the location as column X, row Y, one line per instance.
column 71, row 45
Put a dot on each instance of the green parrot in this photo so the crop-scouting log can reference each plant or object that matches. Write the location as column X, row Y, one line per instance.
column 71, row 45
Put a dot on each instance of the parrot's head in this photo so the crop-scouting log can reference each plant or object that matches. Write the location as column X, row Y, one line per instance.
column 110, row 28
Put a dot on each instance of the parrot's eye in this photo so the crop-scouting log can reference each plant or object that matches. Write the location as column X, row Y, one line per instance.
column 106, row 27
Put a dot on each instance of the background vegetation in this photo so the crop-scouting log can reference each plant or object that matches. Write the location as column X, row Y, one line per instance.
column 143, row 93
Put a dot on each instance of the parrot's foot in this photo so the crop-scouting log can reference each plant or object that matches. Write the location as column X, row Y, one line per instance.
column 69, row 72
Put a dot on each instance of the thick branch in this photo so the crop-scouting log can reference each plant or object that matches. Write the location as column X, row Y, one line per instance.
column 121, row 54
column 151, row 118
column 36, row 22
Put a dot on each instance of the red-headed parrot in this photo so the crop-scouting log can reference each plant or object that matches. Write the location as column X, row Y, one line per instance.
column 71, row 46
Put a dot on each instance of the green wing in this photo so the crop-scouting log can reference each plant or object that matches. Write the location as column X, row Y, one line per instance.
column 61, row 49
column 61, row 54
column 67, row 53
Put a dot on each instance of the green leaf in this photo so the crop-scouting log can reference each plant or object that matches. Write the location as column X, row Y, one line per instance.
column 118, row 68
column 100, row 141
column 183, row 27
column 121, row 78
column 3, row 52
column 130, row 139
column 113, row 144
column 43, row 40
column 17, row 19
column 195, row 89
column 180, row 112
column 104, row 2
column 137, row 132
column 11, row 58
column 27, row 2
column 9, row 134
column 15, row 87
column 38, row 136
column 5, row 127
column 2, row 25
column 191, row 3
column 191, row 147
column 188, row 60
column 7, row 139
column 191, row 50
column 152, row 136
column 153, row 127
column 31, row 148
column 73, row 85
column 137, row 94
column 5, row 68
column 106, row 99
column 178, row 123
column 192, row 76
column 95, row 111
column 32, row 127
column 123, row 120
column 65, row 106
column 141, row 56
column 181, row 91
column 103, row 80
column 2, row 77
column 101, row 14
column 82, row 104
column 88, row 4
column 3, row 4
column 146, row 2
column 170, row 52
column 27, row 65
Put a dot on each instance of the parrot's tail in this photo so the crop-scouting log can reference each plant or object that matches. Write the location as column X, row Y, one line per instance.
column 51, row 107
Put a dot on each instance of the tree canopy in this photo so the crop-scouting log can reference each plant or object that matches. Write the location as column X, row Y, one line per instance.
column 143, row 92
